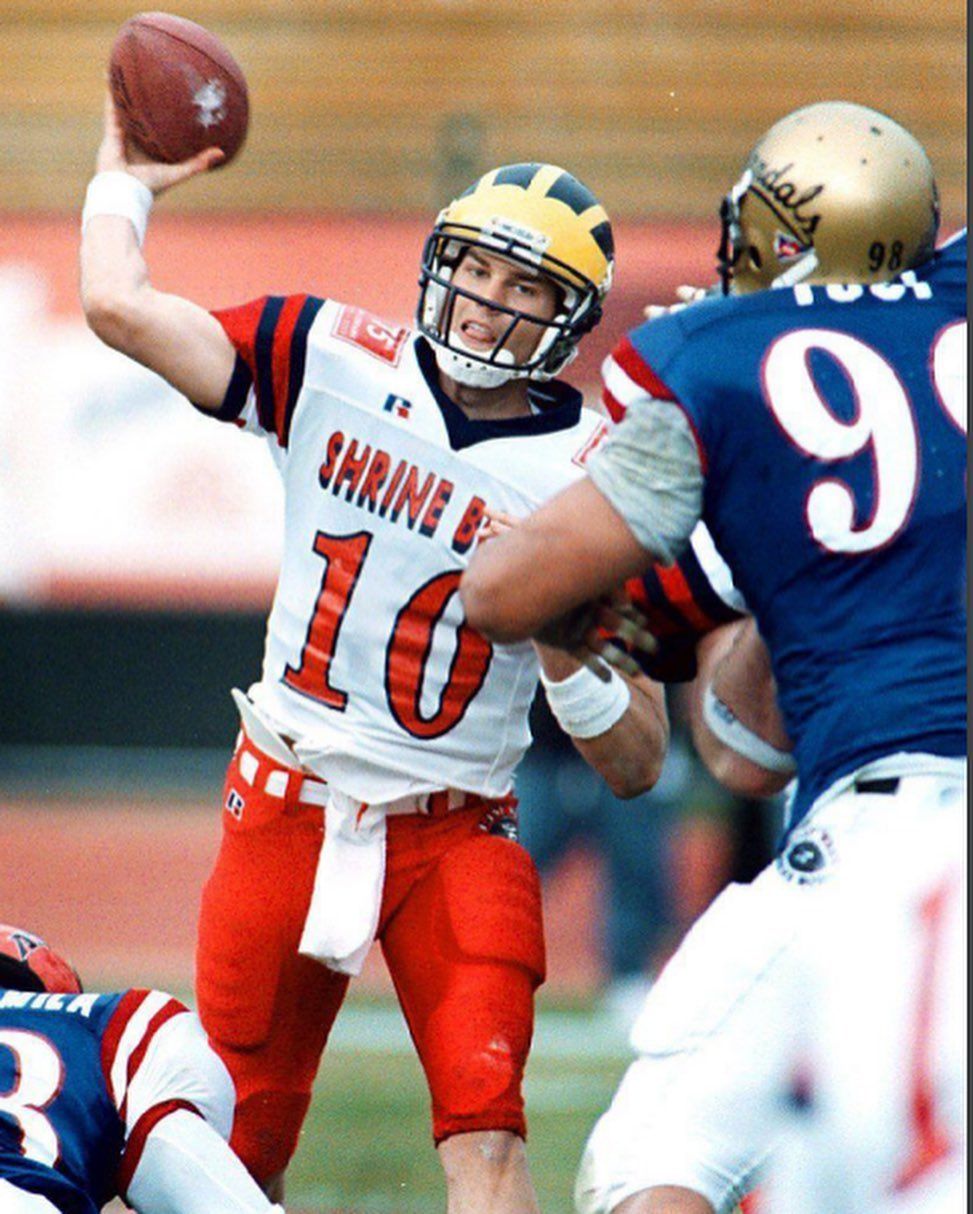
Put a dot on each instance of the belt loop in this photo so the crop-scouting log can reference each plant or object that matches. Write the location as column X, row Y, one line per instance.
column 292, row 789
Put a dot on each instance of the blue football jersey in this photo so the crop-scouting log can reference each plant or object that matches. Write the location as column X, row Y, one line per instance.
column 831, row 426
column 61, row 1132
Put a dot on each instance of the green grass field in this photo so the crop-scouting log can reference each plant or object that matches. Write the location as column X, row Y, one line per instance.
column 366, row 1146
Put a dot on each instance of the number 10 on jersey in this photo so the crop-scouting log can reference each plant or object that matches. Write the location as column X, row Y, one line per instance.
column 416, row 633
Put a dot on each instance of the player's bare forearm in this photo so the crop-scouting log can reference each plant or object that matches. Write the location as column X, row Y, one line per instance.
column 573, row 549
column 629, row 755
column 172, row 336
column 734, row 662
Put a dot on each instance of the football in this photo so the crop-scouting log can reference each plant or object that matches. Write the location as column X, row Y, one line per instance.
column 177, row 89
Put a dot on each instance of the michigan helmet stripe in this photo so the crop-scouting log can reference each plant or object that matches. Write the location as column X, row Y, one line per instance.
column 602, row 236
column 547, row 174
column 572, row 193
column 515, row 174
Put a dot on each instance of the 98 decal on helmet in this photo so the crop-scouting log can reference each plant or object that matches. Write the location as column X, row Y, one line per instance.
column 537, row 216
column 833, row 192
column 27, row 963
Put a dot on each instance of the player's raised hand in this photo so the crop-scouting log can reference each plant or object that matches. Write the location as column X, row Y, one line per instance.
column 685, row 295
column 116, row 153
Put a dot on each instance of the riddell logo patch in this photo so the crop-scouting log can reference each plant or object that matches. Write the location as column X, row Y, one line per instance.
column 786, row 247
column 235, row 804
column 398, row 406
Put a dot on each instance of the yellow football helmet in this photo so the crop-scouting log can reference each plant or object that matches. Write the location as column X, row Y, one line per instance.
column 834, row 192
column 535, row 215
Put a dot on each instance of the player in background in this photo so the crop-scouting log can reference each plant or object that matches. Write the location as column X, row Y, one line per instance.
column 108, row 1094
column 818, row 429
column 370, row 795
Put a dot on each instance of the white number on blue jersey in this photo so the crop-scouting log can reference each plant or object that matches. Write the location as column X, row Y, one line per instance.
column 884, row 425
column 949, row 371
column 39, row 1074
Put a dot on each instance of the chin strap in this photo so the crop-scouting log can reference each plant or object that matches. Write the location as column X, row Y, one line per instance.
column 472, row 373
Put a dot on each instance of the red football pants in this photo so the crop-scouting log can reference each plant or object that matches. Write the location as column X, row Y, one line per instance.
column 462, row 936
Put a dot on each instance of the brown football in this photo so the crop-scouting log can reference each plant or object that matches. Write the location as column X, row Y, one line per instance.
column 177, row 88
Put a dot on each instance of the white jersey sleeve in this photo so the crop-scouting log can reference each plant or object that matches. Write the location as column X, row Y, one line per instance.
column 176, row 1099
column 187, row 1168
column 156, row 1059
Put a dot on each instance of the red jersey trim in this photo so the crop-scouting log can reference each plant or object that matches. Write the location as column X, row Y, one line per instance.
column 163, row 1016
column 680, row 595
column 130, row 1003
column 639, row 371
column 132, row 1154
column 614, row 407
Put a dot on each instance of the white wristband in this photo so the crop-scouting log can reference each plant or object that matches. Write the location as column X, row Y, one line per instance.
column 584, row 705
column 730, row 730
column 118, row 193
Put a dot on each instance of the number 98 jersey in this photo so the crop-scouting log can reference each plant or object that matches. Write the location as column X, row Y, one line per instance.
column 830, row 423
column 369, row 664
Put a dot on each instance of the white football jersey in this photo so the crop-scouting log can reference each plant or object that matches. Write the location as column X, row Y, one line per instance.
column 369, row 665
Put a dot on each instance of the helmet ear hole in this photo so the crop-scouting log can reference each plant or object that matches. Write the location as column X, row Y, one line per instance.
column 16, row 976
column 755, row 259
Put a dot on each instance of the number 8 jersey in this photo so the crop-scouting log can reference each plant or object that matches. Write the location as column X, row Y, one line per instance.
column 369, row 667
column 830, row 428
column 84, row 1079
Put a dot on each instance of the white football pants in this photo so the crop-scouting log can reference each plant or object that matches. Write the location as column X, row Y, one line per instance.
column 705, row 1103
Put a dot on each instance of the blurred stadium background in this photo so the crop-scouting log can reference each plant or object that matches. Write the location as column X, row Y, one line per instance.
column 138, row 544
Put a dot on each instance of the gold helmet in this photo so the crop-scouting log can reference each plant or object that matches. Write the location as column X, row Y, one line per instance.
column 834, row 192
column 535, row 215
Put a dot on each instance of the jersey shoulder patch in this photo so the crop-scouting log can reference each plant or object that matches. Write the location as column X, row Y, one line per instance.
column 361, row 328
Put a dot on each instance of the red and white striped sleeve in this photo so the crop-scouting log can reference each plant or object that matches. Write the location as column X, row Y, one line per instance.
column 156, row 1060
column 626, row 378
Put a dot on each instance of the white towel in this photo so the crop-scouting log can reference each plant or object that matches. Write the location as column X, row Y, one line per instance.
column 347, row 899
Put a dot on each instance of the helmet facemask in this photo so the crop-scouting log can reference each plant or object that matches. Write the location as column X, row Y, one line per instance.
column 578, row 312
column 747, row 260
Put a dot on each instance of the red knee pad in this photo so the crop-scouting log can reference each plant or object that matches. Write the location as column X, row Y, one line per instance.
column 265, row 1131
column 490, row 934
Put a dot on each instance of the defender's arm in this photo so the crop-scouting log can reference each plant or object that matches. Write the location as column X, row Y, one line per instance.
column 736, row 723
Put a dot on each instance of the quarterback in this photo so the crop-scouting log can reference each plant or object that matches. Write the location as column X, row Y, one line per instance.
column 109, row 1094
column 371, row 792
column 814, row 418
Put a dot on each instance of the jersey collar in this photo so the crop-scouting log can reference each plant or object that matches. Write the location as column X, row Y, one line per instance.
column 557, row 405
